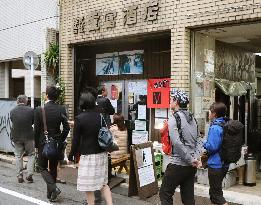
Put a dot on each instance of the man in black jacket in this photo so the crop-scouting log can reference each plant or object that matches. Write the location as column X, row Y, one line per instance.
column 22, row 118
column 55, row 116
column 104, row 105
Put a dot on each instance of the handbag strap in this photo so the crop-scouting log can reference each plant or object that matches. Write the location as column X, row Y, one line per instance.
column 102, row 119
column 44, row 121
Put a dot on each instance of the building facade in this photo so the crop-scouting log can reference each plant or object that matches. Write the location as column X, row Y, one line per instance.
column 189, row 28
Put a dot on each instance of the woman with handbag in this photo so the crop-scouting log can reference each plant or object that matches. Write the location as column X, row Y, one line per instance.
column 48, row 120
column 93, row 165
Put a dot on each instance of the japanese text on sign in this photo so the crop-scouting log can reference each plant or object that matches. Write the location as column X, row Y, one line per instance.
column 93, row 21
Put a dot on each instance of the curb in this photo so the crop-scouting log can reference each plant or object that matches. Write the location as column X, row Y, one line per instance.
column 7, row 159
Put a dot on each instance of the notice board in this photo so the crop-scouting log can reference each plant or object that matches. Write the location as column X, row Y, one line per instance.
column 143, row 180
column 158, row 93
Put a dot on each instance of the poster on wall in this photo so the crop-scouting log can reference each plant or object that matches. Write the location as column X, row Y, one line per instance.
column 138, row 87
column 209, row 59
column 107, row 64
column 158, row 93
column 140, row 125
column 145, row 166
column 142, row 111
column 206, row 103
column 131, row 62
column 139, row 137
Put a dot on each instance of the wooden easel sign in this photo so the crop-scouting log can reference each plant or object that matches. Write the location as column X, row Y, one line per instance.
column 143, row 181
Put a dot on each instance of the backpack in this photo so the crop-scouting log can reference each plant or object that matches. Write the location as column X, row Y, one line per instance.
column 165, row 140
column 232, row 141
column 178, row 120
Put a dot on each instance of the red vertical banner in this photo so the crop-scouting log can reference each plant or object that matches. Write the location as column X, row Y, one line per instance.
column 158, row 93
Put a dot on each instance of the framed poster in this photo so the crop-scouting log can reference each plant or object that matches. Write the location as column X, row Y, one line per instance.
column 107, row 64
column 131, row 62
column 158, row 93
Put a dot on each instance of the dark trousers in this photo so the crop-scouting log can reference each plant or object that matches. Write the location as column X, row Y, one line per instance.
column 215, row 177
column 50, row 175
column 175, row 176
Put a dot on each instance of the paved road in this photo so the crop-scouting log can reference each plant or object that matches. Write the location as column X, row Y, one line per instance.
column 12, row 193
column 5, row 200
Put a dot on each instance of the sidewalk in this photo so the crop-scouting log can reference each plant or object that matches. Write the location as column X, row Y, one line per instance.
column 233, row 195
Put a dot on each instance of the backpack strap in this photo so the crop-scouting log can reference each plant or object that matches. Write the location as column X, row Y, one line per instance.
column 178, row 121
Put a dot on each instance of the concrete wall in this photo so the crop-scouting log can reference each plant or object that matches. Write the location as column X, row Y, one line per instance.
column 179, row 16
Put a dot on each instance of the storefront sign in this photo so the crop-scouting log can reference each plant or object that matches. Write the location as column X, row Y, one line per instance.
column 158, row 93
column 93, row 21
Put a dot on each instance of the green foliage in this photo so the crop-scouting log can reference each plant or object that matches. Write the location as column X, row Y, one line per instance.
column 51, row 58
column 61, row 86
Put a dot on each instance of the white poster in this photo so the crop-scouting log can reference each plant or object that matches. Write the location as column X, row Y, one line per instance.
column 159, row 122
column 146, row 175
column 198, row 105
column 161, row 113
column 139, row 137
column 145, row 166
column 139, row 87
column 142, row 112
column 140, row 125
column 206, row 103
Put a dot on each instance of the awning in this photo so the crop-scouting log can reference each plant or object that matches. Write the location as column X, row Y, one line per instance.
column 232, row 88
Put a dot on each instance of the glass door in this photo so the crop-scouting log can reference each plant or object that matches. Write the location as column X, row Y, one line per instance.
column 130, row 99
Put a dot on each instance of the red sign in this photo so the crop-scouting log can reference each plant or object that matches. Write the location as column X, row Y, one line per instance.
column 158, row 93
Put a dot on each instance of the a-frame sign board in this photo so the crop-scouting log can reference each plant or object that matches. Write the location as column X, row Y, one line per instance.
column 143, row 180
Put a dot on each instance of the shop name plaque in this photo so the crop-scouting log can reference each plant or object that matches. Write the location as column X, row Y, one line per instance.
column 94, row 20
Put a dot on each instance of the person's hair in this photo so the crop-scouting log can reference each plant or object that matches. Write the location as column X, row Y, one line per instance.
column 92, row 90
column 219, row 108
column 101, row 89
column 118, row 120
column 183, row 105
column 87, row 101
column 22, row 99
column 52, row 93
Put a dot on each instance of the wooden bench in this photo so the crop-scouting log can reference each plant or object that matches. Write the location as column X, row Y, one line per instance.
column 122, row 162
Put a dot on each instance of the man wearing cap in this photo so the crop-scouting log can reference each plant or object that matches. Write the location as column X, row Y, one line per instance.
column 184, row 161
column 22, row 118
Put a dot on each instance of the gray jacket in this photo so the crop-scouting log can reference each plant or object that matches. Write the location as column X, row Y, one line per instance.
column 184, row 153
column 22, row 118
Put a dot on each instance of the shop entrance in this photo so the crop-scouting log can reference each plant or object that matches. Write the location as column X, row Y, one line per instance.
column 226, row 69
column 124, row 65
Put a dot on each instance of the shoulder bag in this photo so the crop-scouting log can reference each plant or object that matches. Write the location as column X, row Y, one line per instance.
column 105, row 138
column 53, row 148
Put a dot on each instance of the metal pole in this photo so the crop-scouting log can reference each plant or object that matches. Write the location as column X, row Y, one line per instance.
column 32, row 81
